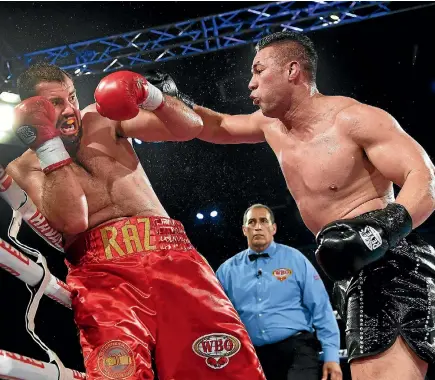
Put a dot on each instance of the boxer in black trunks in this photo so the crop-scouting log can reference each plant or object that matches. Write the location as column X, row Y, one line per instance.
column 340, row 159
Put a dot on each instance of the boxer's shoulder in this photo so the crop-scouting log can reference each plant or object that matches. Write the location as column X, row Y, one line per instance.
column 340, row 106
column 91, row 117
column 354, row 112
column 361, row 120
column 90, row 108
column 350, row 116
column 92, row 120
column 262, row 122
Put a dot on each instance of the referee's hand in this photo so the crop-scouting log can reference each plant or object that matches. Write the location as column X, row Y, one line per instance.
column 332, row 371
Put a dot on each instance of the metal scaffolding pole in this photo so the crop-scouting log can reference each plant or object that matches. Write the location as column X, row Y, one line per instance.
column 202, row 35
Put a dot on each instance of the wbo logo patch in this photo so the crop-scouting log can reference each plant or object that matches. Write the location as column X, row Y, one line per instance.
column 216, row 348
column 116, row 360
column 282, row 273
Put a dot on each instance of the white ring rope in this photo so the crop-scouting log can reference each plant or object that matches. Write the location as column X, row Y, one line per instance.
column 19, row 367
column 24, row 208
column 20, row 266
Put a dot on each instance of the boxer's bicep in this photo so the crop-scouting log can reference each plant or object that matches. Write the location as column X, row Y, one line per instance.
column 388, row 147
column 231, row 129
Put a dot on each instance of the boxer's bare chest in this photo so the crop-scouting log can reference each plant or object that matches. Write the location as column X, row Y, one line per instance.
column 98, row 161
column 327, row 173
column 319, row 164
column 111, row 177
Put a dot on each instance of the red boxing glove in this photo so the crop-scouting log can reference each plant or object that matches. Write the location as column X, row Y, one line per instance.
column 35, row 121
column 35, row 126
column 120, row 95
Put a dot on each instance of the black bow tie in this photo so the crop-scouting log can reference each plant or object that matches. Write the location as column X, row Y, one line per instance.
column 255, row 256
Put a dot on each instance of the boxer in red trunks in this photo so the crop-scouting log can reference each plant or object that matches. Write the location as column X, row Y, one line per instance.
column 140, row 290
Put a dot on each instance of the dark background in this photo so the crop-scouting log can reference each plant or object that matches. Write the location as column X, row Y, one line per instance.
column 387, row 62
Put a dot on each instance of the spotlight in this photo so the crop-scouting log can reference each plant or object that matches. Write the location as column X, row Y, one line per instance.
column 199, row 216
column 335, row 17
column 213, row 214
column 9, row 97
column 6, row 117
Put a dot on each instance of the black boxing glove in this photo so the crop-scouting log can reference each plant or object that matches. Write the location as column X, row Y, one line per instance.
column 166, row 84
column 347, row 246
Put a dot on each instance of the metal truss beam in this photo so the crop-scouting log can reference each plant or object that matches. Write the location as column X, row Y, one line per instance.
column 202, row 35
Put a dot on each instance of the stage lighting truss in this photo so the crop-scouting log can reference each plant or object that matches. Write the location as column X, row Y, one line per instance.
column 202, row 35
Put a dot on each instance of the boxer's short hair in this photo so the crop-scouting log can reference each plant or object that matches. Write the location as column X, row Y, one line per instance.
column 37, row 73
column 293, row 46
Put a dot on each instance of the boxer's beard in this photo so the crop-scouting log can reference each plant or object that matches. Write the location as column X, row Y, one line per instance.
column 72, row 143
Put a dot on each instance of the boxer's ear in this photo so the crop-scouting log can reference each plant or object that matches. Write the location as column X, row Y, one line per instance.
column 294, row 68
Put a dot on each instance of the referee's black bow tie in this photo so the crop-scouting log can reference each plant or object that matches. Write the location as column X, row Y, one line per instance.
column 255, row 256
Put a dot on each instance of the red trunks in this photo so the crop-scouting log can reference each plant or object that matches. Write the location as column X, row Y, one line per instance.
column 141, row 290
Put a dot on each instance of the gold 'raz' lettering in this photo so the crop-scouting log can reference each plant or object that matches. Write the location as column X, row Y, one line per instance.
column 110, row 242
column 147, row 244
column 130, row 237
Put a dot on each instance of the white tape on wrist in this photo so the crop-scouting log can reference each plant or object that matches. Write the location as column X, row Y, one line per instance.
column 53, row 155
column 154, row 99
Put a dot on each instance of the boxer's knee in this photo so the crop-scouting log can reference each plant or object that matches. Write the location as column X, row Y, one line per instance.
column 397, row 362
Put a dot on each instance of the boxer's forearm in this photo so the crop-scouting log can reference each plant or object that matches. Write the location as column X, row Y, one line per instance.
column 212, row 121
column 179, row 119
column 64, row 203
column 220, row 128
column 418, row 195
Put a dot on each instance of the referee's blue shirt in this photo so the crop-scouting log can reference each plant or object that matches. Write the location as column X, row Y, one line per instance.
column 279, row 296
